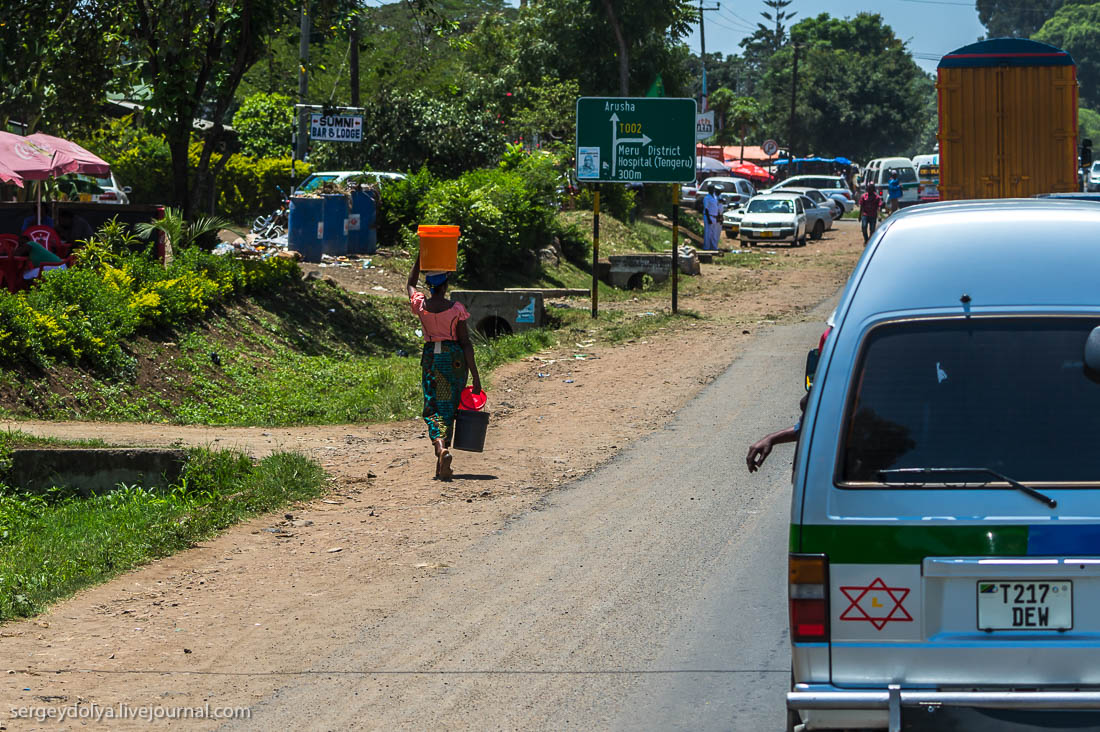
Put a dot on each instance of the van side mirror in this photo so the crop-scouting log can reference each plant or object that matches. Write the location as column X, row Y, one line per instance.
column 1092, row 350
column 811, row 365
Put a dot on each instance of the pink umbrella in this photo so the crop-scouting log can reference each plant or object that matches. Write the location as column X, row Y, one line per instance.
column 29, row 161
column 65, row 153
column 7, row 175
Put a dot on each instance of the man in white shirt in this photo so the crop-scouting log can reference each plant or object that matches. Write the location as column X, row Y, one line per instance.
column 712, row 220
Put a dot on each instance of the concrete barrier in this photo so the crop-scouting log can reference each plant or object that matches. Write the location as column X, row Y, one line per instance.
column 94, row 470
column 501, row 312
column 627, row 271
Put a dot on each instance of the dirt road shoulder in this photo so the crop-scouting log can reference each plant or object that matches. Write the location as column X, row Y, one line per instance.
column 221, row 624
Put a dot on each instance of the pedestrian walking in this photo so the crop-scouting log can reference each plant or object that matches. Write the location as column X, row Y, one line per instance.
column 869, row 205
column 893, row 193
column 712, row 220
column 447, row 358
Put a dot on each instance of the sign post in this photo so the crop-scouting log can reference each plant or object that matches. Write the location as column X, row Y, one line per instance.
column 636, row 140
column 326, row 124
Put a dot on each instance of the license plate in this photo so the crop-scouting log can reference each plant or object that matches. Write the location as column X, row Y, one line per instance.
column 1025, row 605
column 765, row 234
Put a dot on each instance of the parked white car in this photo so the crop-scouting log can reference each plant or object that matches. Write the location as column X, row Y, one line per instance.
column 346, row 177
column 688, row 195
column 736, row 190
column 834, row 186
column 104, row 189
column 774, row 217
column 1092, row 178
column 731, row 221
column 819, row 218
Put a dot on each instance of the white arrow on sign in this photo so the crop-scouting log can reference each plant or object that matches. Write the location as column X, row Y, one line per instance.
column 615, row 142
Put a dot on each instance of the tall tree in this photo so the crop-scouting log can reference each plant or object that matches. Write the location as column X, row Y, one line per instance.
column 574, row 39
column 194, row 54
column 860, row 94
column 744, row 117
column 776, row 17
column 1076, row 28
column 57, row 60
column 1015, row 18
column 631, row 20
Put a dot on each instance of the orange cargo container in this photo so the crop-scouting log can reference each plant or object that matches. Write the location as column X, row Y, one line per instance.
column 1008, row 120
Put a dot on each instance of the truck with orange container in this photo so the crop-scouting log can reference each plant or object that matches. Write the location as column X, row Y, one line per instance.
column 1008, row 120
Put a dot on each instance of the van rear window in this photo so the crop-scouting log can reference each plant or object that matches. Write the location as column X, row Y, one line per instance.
column 1010, row 394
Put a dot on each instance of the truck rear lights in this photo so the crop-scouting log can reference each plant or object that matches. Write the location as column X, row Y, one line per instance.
column 808, row 594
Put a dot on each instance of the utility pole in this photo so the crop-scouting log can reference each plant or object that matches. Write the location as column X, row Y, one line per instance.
column 703, row 49
column 354, row 61
column 794, row 90
column 303, row 82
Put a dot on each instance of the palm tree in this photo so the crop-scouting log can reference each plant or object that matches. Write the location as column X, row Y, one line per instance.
column 745, row 115
column 182, row 234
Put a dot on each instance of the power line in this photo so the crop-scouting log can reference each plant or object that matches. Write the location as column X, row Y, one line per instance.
column 730, row 28
column 735, row 20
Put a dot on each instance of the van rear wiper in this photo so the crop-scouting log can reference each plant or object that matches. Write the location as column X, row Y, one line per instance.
column 986, row 471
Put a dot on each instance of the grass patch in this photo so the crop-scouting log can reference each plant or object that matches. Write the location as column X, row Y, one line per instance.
column 306, row 354
column 616, row 326
column 52, row 546
column 617, row 237
column 747, row 259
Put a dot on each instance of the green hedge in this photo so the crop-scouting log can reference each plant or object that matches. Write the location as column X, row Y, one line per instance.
column 87, row 313
column 249, row 186
column 506, row 213
column 246, row 186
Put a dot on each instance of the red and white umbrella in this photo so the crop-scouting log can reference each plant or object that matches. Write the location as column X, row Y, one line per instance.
column 29, row 161
column 38, row 157
column 7, row 175
column 68, row 154
column 751, row 170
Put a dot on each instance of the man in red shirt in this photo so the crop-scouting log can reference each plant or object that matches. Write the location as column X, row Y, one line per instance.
column 869, row 205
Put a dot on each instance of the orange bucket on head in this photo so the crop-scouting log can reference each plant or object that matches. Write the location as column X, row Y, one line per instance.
column 438, row 248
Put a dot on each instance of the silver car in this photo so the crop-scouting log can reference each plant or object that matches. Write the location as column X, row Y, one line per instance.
column 836, row 210
column 945, row 522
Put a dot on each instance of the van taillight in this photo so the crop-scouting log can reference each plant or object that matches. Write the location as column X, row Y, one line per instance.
column 808, row 587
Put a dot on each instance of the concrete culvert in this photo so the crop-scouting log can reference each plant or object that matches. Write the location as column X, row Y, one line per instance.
column 636, row 281
column 493, row 326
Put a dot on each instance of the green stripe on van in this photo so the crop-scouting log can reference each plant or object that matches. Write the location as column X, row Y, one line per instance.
column 907, row 544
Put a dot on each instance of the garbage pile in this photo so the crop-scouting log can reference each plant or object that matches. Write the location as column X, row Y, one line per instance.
column 252, row 246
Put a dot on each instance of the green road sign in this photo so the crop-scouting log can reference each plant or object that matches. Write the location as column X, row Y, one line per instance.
column 635, row 140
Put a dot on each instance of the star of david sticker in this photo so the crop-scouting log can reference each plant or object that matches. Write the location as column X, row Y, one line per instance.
column 880, row 613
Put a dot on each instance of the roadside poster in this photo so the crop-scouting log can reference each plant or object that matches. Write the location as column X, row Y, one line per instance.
column 336, row 127
column 704, row 125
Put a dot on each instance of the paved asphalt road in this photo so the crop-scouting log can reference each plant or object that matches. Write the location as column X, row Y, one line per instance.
column 651, row 595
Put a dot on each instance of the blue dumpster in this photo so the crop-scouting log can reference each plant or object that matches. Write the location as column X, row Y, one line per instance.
column 305, row 228
column 334, row 216
column 362, row 223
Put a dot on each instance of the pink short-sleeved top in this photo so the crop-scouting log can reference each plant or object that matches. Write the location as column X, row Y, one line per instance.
column 438, row 326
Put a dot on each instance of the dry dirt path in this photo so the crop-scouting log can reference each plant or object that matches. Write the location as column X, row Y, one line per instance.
column 274, row 595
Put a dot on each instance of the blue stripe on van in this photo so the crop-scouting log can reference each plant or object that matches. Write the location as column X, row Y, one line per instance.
column 1062, row 539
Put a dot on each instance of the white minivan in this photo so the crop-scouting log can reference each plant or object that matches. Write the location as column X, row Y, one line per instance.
column 944, row 569
column 878, row 172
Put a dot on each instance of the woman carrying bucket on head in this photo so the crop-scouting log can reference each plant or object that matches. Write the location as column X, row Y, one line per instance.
column 448, row 353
